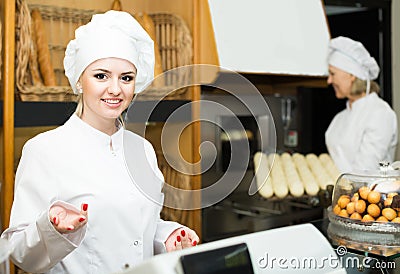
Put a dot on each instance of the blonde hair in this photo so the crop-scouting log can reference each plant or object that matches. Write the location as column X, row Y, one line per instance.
column 79, row 106
column 360, row 86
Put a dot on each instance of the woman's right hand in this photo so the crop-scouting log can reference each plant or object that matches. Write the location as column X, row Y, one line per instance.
column 66, row 220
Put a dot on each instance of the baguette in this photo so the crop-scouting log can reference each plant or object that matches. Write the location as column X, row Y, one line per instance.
column 295, row 185
column 323, row 178
column 45, row 65
column 33, row 63
column 148, row 25
column 278, row 179
column 329, row 165
column 262, row 172
column 116, row 5
column 310, row 184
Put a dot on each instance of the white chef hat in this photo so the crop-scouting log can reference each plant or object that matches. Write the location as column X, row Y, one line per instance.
column 111, row 34
column 352, row 57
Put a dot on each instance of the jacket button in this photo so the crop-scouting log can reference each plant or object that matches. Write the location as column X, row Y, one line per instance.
column 136, row 243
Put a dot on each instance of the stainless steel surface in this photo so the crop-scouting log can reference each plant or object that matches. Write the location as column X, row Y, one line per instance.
column 240, row 213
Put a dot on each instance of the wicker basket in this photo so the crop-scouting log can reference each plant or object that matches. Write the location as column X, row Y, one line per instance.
column 177, row 180
column 175, row 45
column 173, row 37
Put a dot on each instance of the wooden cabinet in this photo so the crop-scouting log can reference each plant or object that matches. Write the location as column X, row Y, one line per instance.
column 194, row 12
column 7, row 179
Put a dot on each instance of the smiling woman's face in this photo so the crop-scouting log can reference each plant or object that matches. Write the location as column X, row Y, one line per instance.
column 341, row 82
column 108, row 85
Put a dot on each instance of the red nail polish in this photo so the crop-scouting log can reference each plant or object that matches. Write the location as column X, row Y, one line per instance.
column 81, row 219
column 194, row 243
column 85, row 207
column 54, row 220
column 175, row 243
column 183, row 233
column 178, row 238
column 68, row 228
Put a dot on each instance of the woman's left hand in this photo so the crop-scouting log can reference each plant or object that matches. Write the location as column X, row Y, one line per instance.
column 181, row 238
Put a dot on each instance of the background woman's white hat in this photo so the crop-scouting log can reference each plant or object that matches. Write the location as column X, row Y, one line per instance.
column 352, row 57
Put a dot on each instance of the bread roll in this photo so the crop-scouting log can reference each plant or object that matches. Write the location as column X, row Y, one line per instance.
column 278, row 178
column 309, row 182
column 150, row 27
column 33, row 63
column 330, row 166
column 319, row 172
column 116, row 5
column 45, row 65
column 324, row 158
column 295, row 185
column 262, row 175
column 148, row 24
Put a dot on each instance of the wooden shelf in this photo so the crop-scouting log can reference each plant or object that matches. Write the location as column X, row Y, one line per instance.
column 35, row 114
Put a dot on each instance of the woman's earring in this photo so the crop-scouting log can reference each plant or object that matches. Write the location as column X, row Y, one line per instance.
column 79, row 88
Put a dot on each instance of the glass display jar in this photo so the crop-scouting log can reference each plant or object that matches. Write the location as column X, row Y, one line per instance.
column 365, row 211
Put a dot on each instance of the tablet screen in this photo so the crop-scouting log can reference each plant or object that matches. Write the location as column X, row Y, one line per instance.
column 234, row 259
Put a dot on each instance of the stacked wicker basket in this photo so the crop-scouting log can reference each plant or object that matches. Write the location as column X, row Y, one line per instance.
column 172, row 35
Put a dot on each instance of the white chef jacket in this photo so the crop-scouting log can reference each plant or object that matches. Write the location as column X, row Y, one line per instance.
column 359, row 137
column 75, row 164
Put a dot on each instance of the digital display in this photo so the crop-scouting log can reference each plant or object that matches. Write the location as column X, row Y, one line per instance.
column 234, row 259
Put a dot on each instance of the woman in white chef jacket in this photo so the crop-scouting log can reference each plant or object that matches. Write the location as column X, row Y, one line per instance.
column 77, row 208
column 365, row 132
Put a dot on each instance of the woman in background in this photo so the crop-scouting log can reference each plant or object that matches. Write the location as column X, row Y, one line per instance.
column 365, row 133
column 78, row 208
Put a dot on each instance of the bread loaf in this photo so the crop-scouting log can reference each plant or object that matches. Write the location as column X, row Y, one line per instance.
column 33, row 63
column 116, row 5
column 45, row 66
column 148, row 25
column 295, row 185
column 323, row 178
column 262, row 175
column 329, row 165
column 309, row 182
column 278, row 178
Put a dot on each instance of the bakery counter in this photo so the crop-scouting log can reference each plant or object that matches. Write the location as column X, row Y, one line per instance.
column 359, row 261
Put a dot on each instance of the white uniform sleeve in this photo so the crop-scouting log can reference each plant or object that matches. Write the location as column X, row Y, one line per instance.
column 37, row 245
column 164, row 229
